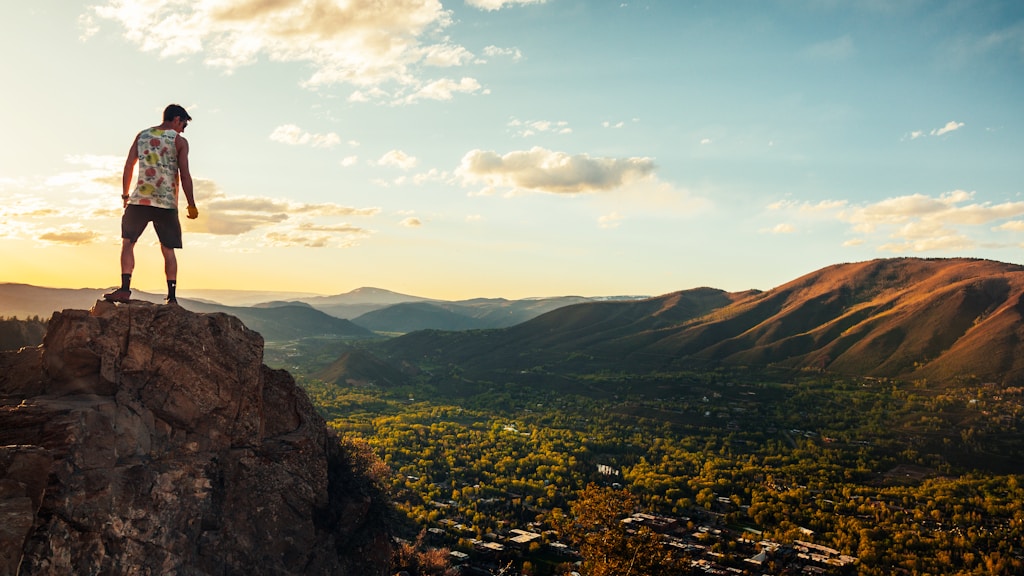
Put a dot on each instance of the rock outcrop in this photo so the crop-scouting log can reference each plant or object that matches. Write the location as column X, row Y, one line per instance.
column 144, row 439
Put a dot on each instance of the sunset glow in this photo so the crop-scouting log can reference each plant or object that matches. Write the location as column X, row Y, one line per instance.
column 516, row 148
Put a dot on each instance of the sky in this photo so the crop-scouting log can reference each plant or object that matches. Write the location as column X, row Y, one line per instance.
column 456, row 149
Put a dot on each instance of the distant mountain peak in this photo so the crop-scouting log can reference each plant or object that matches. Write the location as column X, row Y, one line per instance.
column 367, row 290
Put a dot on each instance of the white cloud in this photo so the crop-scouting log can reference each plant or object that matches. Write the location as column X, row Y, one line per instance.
column 443, row 89
column 432, row 175
column 949, row 127
column 312, row 235
column 446, row 55
column 1013, row 226
column 541, row 170
column 349, row 161
column 294, row 136
column 411, row 222
column 289, row 239
column 925, row 237
column 371, row 44
column 398, row 159
column 916, row 222
column 281, row 222
column 514, row 53
column 783, row 229
column 499, row 4
column 526, row 128
column 83, row 206
column 947, row 208
column 822, row 206
column 611, row 220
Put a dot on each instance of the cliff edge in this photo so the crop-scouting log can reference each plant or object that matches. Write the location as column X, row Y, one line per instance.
column 145, row 439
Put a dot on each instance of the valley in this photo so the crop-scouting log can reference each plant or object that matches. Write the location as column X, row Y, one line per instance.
column 906, row 477
column 866, row 418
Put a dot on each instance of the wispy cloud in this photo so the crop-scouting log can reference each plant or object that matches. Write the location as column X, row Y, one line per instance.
column 383, row 47
column 976, row 46
column 446, row 55
column 611, row 220
column 290, row 239
column 499, row 4
column 783, row 228
column 224, row 215
column 65, row 207
column 443, row 89
column 43, row 212
column 398, row 159
column 514, row 53
column 542, row 170
column 411, row 222
column 915, row 222
column 294, row 136
column 72, row 234
column 526, row 128
column 1013, row 226
column 950, row 126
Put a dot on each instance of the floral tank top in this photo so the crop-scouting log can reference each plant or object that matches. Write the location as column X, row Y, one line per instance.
column 157, row 184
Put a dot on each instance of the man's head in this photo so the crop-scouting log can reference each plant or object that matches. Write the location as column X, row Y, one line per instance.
column 175, row 111
column 177, row 116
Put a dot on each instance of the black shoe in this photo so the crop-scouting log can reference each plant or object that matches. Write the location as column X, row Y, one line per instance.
column 121, row 295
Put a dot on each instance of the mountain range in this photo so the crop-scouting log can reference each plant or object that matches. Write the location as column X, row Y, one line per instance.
column 934, row 319
column 288, row 316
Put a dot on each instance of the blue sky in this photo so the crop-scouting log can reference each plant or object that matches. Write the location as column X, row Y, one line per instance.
column 516, row 148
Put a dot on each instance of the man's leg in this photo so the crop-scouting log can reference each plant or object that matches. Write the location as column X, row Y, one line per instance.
column 127, row 256
column 171, row 271
column 124, row 293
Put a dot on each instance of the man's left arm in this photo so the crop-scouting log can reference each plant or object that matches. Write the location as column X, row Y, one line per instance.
column 186, row 176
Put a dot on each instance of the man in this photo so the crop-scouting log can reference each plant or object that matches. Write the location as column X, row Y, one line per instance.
column 162, row 155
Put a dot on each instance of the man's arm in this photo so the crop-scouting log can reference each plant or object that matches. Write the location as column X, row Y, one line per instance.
column 186, row 176
column 129, row 169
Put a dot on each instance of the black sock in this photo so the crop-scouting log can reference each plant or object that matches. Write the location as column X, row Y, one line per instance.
column 171, row 286
column 126, row 281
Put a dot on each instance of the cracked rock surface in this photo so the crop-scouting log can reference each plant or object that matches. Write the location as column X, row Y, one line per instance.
column 145, row 439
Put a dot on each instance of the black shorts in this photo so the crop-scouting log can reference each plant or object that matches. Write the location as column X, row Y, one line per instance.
column 165, row 222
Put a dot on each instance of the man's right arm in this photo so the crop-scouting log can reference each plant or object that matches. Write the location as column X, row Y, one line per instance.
column 129, row 169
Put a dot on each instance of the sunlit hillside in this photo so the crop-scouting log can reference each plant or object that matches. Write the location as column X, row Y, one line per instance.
column 905, row 317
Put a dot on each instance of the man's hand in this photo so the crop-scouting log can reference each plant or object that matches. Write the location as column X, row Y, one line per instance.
column 193, row 213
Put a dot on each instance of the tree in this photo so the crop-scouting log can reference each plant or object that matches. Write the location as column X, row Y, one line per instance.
column 415, row 558
column 608, row 548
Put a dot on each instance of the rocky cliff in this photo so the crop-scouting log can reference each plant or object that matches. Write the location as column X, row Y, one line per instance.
column 144, row 439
